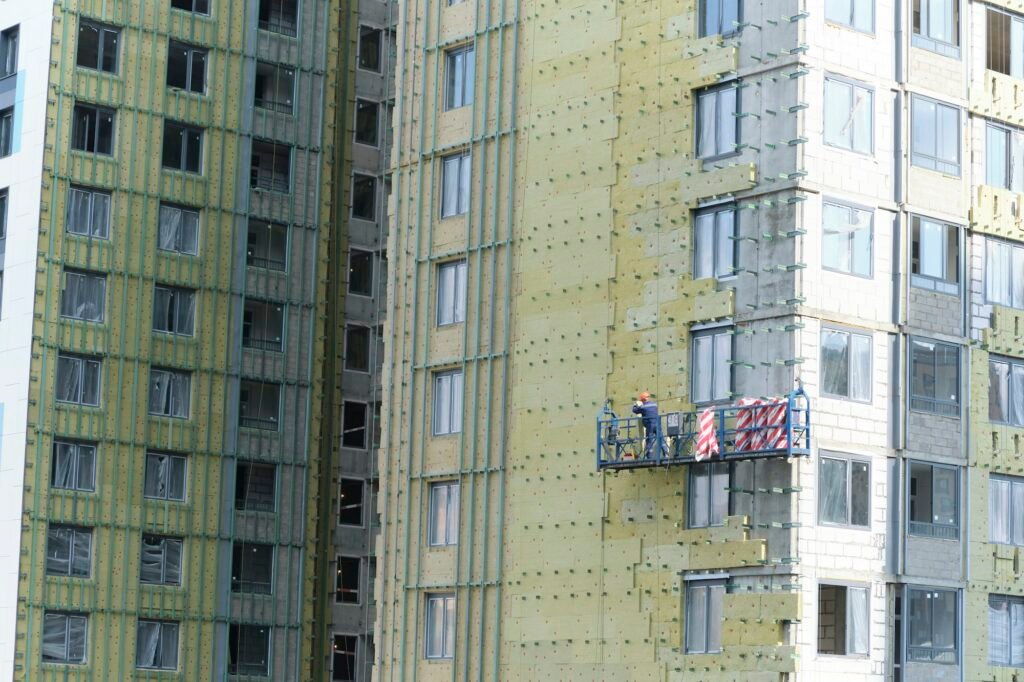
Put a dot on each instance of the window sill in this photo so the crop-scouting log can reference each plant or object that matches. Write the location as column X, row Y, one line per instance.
column 935, row 46
column 844, row 657
column 850, row 150
column 719, row 157
column 844, row 526
column 192, row 175
column 279, row 193
column 846, row 398
column 853, row 29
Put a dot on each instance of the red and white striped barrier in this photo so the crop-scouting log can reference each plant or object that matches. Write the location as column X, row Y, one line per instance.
column 707, row 439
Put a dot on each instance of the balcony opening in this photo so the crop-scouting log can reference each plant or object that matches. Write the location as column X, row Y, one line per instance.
column 271, row 166
column 252, row 567
column 275, row 87
column 268, row 245
column 255, row 486
column 263, row 325
column 279, row 16
column 259, row 405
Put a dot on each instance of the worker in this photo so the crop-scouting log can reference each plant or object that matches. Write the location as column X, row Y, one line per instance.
column 648, row 411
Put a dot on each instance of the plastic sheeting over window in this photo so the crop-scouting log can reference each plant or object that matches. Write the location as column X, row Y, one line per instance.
column 65, row 637
column 156, row 645
column 160, row 563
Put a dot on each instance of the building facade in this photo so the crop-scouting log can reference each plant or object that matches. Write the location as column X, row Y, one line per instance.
column 167, row 179
column 710, row 200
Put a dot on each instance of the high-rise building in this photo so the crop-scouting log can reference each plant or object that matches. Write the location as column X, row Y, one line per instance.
column 167, row 180
column 712, row 201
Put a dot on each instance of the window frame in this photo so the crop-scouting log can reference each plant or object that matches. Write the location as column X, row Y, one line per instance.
column 8, row 54
column 1014, row 525
column 846, row 587
column 1009, row 661
column 360, row 177
column 76, row 532
column 280, row 28
column 848, row 460
column 188, row 397
column 92, row 193
column 1011, row 18
column 377, row 106
column 849, row 332
column 164, row 561
column 266, row 342
column 287, row 107
column 81, row 361
column 448, row 536
column 349, row 329
column 271, row 227
column 270, row 181
column 716, row 241
column 951, row 532
column 101, row 30
column 711, row 625
column 934, row 651
column 171, row 457
column 926, row 161
column 354, row 482
column 850, row 207
column 353, row 641
column 448, row 623
column 241, row 668
column 85, row 276
column 456, row 97
column 1013, row 276
column 182, row 210
column 250, row 586
column 716, row 91
column 721, row 330
column 463, row 162
column 184, row 130
column 448, row 312
column 702, row 11
column 259, row 421
column 339, row 588
column 5, row 200
column 372, row 260
column 76, row 467
column 927, row 42
column 179, row 296
column 193, row 10
column 251, row 465
column 95, row 111
column 850, row 23
column 79, row 617
column 936, row 404
column 454, row 416
column 854, row 86
column 707, row 471
column 161, row 624
column 191, row 52
column 366, row 28
column 922, row 281
column 1009, row 418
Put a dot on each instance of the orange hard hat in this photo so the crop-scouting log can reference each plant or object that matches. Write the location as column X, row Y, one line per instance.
column 644, row 396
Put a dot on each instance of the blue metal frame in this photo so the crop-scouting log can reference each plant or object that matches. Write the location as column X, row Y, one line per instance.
column 622, row 443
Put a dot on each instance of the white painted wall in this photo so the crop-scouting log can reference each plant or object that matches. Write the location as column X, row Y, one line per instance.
column 21, row 174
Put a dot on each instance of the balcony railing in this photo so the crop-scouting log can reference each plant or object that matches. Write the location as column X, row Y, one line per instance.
column 940, row 531
column 280, row 106
column 265, row 263
column 261, row 343
column 251, row 586
column 774, row 428
column 265, row 423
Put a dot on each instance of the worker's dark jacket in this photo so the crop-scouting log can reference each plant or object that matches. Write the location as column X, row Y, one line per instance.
column 648, row 413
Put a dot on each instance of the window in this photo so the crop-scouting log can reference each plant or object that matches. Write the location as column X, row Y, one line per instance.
column 353, row 429
column 934, row 500
column 718, row 123
column 263, row 325
column 1006, row 510
column 370, row 44
column 704, row 616
column 935, row 255
column 849, row 116
column 88, row 212
column 455, row 179
column 156, row 645
column 183, row 147
column 935, row 138
column 444, row 513
column 259, row 405
column 937, row 26
column 857, row 14
column 447, row 403
column 166, row 477
column 93, row 129
column 1006, row 391
column 1006, row 631
column 1004, row 156
column 255, row 486
column 267, row 246
column 367, row 114
column 9, row 52
column 440, row 634
column 933, row 625
column 711, row 365
column 249, row 650
column 73, row 466
column 84, row 296
column 68, row 551
column 275, row 87
column 78, row 379
column 360, row 273
column 460, row 65
column 714, row 234
column 6, row 131
column 846, row 365
column 97, row 46
column 178, row 229
column 186, row 67
column 3, row 213
column 343, row 665
column 346, row 589
column 197, row 6
column 1005, row 43
column 846, row 244
column 160, row 563
column 935, row 377
column 65, row 637
column 364, row 196
column 842, row 620
column 844, row 492
column 719, row 17
column 451, row 293
column 1004, row 273
column 279, row 16
column 708, row 494
column 252, row 568
column 170, row 392
column 350, row 502
column 271, row 168
column 357, row 348
column 174, row 310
